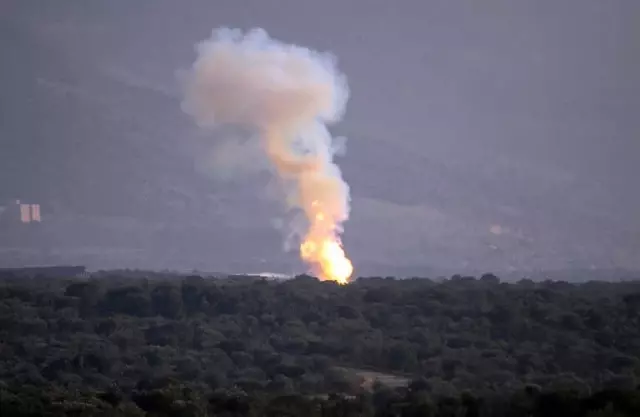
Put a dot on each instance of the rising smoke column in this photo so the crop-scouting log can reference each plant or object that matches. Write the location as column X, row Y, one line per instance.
column 288, row 95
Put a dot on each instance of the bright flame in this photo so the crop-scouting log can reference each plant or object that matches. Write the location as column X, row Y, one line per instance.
column 328, row 258
column 322, row 249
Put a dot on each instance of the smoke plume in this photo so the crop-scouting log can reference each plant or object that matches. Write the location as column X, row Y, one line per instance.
column 286, row 95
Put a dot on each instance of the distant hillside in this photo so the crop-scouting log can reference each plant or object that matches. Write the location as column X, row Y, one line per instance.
column 111, row 158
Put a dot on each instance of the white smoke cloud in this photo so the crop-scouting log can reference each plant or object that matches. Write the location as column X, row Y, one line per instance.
column 286, row 95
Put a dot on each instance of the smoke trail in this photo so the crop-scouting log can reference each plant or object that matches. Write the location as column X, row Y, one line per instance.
column 287, row 94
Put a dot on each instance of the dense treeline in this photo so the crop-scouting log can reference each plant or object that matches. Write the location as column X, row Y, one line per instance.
column 169, row 345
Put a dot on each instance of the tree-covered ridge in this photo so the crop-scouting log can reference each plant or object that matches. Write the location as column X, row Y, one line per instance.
column 136, row 342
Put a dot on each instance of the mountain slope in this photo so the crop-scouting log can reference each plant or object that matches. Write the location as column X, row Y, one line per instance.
column 110, row 156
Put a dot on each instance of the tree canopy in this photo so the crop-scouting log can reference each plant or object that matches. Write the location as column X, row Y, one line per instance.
column 156, row 344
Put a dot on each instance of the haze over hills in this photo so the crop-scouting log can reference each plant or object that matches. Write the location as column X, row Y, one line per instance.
column 99, row 140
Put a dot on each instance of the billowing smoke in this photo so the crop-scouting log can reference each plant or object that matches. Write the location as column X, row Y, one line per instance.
column 286, row 95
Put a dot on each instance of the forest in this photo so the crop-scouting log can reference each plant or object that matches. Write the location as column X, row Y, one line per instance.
column 127, row 343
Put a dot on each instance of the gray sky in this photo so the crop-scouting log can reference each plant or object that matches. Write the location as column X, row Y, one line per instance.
column 492, row 133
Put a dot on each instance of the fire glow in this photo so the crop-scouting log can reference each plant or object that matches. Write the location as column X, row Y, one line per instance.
column 322, row 249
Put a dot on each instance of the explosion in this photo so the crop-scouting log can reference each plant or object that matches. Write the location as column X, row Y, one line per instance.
column 328, row 255
column 287, row 95
column 322, row 248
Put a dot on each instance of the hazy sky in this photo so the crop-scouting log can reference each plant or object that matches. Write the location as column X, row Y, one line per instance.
column 487, row 132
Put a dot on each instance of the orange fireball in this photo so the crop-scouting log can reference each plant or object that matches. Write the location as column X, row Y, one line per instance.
column 329, row 259
column 322, row 248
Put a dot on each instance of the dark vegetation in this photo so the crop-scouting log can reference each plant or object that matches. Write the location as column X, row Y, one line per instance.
column 136, row 344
